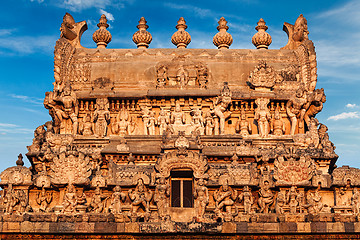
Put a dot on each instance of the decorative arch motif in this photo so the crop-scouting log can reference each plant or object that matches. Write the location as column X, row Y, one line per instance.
column 172, row 160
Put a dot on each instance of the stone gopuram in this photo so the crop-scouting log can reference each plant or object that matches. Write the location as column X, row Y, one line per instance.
column 181, row 141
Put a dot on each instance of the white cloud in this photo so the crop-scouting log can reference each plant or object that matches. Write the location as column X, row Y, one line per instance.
column 6, row 128
column 350, row 105
column 79, row 5
column 350, row 12
column 345, row 115
column 28, row 44
column 108, row 15
column 28, row 99
column 39, row 1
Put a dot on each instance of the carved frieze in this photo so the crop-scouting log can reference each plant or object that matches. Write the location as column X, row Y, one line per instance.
column 345, row 175
column 294, row 172
column 182, row 73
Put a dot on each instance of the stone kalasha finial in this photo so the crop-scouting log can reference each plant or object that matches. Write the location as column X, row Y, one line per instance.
column 181, row 38
column 142, row 38
column 20, row 161
column 102, row 36
column 261, row 39
column 222, row 39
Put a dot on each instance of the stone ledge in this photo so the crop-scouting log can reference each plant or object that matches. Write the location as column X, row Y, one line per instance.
column 176, row 227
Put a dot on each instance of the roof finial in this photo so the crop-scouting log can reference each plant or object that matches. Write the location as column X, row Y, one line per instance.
column 102, row 36
column 20, row 161
column 181, row 38
column 261, row 39
column 222, row 39
column 142, row 38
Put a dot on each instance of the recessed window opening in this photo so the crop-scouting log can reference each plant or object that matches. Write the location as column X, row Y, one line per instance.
column 182, row 188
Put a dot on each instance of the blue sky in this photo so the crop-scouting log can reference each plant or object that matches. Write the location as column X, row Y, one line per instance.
column 30, row 28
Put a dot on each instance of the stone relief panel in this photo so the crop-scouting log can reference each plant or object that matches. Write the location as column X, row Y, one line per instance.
column 181, row 73
column 294, row 172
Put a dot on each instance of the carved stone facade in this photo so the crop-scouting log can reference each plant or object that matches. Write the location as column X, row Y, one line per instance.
column 182, row 140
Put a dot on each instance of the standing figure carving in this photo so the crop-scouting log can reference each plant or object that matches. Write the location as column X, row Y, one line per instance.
column 161, row 197
column 266, row 197
column 243, row 126
column 116, row 199
column 209, row 123
column 182, row 77
column 225, row 197
column 292, row 199
column 145, row 116
column 201, row 196
column 221, row 103
column 277, row 125
column 355, row 201
column 262, row 116
column 70, row 110
column 69, row 202
column 44, row 199
column 161, row 76
column 151, row 122
column 295, row 109
column 197, row 122
column 140, row 198
column 101, row 117
column 163, row 121
column 247, row 198
column 280, row 203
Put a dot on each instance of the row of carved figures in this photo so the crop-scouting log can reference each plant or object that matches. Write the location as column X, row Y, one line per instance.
column 63, row 107
column 291, row 201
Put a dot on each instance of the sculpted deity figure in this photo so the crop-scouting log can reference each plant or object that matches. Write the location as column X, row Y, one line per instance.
column 292, row 199
column 177, row 117
column 70, row 109
column 123, row 125
column 10, row 200
column 161, row 76
column 220, row 105
column 295, row 109
column 355, row 201
column 163, row 121
column 280, row 203
column 225, row 198
column 314, row 201
column 161, row 197
column 202, row 75
column 262, row 116
column 243, row 126
column 69, row 202
column 197, row 122
column 247, row 198
column 97, row 203
column 209, row 123
column 201, row 196
column 182, row 76
column 140, row 197
column 44, row 199
column 116, row 199
column 151, row 122
column 101, row 117
column 145, row 116
column 301, row 200
column 324, row 141
column 86, row 126
column 277, row 125
column 266, row 197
